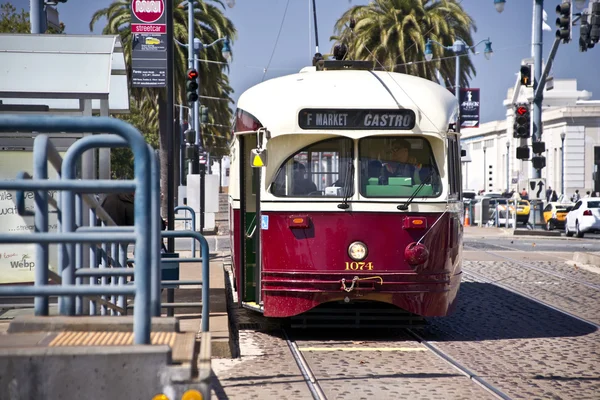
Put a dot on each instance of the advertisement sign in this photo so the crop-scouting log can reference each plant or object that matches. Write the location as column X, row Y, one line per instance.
column 149, row 43
column 469, row 108
column 17, row 261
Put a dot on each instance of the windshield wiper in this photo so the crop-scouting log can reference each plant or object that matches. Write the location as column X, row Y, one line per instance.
column 348, row 183
column 404, row 207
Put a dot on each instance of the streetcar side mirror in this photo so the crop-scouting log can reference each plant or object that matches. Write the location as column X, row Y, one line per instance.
column 463, row 153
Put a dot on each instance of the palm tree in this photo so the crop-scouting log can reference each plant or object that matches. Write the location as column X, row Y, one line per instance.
column 394, row 32
column 210, row 24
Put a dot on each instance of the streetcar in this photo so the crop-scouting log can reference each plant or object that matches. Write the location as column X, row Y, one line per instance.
column 319, row 213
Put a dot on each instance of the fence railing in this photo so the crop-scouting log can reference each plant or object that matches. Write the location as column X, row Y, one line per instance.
column 79, row 246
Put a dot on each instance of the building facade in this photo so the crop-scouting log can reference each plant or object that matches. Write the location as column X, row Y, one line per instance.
column 570, row 130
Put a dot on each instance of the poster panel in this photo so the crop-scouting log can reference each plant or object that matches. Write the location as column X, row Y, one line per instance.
column 17, row 261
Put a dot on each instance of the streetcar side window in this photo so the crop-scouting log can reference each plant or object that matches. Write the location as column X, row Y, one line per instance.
column 397, row 167
column 454, row 167
column 321, row 169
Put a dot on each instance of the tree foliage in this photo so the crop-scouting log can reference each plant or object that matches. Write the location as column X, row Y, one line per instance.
column 12, row 21
column 210, row 25
column 394, row 33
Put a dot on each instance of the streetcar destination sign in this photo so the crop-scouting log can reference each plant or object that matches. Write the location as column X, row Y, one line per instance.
column 400, row 119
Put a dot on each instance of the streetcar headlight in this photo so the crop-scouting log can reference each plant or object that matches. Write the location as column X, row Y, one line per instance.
column 357, row 251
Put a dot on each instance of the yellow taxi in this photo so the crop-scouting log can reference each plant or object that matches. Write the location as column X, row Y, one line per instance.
column 523, row 209
column 555, row 214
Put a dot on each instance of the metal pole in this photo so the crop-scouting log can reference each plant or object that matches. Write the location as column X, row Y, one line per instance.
column 507, row 168
column 457, row 89
column 484, row 169
column 181, row 148
column 196, row 115
column 193, row 63
column 170, row 104
column 37, row 16
column 562, row 166
column 537, row 101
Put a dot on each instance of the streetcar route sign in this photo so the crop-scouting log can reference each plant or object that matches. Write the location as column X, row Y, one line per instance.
column 381, row 119
column 149, row 43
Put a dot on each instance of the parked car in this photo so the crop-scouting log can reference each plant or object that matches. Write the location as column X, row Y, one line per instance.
column 523, row 210
column 583, row 217
column 555, row 214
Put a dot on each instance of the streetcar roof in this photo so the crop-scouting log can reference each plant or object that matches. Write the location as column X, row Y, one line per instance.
column 277, row 102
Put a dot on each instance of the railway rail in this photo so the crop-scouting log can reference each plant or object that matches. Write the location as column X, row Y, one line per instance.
column 318, row 393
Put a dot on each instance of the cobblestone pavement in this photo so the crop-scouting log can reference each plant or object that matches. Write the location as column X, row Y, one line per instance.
column 388, row 368
column 570, row 296
column 527, row 350
column 266, row 370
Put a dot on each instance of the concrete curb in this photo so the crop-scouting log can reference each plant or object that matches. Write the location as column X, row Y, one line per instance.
column 526, row 232
column 587, row 258
column 27, row 323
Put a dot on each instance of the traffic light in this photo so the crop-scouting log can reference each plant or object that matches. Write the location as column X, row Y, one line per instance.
column 522, row 124
column 190, row 145
column 203, row 115
column 526, row 75
column 192, row 85
column 563, row 22
column 538, row 147
column 584, row 34
column 522, row 153
column 538, row 162
column 595, row 24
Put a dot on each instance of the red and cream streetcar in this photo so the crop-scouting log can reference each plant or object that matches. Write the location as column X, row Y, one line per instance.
column 345, row 188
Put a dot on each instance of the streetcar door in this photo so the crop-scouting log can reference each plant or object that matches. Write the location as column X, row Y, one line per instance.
column 249, row 196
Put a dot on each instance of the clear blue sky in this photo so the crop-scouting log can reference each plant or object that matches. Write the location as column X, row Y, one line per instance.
column 258, row 22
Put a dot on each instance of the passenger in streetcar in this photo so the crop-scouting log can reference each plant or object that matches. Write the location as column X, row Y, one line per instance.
column 302, row 185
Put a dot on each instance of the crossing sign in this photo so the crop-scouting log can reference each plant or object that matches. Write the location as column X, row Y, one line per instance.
column 537, row 189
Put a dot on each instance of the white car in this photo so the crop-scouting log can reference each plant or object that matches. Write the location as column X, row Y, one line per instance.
column 583, row 217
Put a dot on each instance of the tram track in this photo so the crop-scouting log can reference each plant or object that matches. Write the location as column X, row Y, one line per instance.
column 309, row 377
column 318, row 394
column 544, row 270
column 485, row 279
column 458, row 366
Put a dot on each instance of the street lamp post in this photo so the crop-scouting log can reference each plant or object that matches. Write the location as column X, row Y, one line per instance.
column 458, row 47
column 507, row 166
column 484, row 167
column 562, row 163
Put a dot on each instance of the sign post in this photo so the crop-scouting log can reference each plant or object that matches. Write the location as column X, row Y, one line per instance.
column 149, row 47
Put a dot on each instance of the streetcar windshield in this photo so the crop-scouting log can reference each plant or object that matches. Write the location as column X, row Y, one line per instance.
column 397, row 166
column 321, row 169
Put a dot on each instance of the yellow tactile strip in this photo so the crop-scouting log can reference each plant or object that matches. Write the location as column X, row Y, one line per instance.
column 108, row 339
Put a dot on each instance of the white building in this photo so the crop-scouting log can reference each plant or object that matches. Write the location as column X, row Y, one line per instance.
column 567, row 112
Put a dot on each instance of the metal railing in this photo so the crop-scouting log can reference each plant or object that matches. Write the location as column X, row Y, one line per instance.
column 192, row 218
column 73, row 239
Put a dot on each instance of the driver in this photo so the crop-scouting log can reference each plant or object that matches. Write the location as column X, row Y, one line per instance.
column 401, row 164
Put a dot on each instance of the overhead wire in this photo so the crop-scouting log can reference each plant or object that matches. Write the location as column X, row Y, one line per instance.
column 276, row 40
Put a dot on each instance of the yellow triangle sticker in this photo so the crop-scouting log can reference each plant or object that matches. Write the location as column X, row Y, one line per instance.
column 257, row 162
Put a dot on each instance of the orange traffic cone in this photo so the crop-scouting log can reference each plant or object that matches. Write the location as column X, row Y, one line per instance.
column 467, row 219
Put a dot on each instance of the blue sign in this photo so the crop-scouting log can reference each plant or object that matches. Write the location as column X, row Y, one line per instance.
column 264, row 222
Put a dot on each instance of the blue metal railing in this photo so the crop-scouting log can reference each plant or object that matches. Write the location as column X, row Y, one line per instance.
column 193, row 219
column 146, row 192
